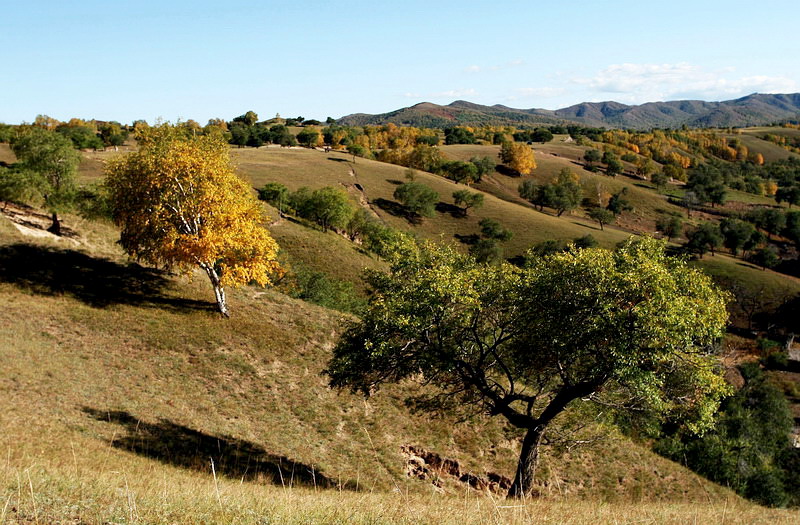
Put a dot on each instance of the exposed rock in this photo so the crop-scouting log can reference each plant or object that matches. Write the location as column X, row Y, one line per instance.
column 426, row 465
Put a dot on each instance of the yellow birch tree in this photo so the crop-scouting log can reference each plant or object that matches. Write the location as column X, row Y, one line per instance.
column 180, row 205
column 518, row 157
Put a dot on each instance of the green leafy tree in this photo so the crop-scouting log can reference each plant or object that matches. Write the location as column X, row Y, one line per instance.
column 52, row 162
column 330, row 208
column 541, row 135
column 466, row 199
column 425, row 158
column 708, row 184
column 613, row 165
column 645, row 167
column 248, row 119
column 6, row 132
column 631, row 329
column 790, row 195
column 592, row 157
column 240, row 134
column 674, row 172
column 484, row 166
column 458, row 135
column 792, row 229
column 359, row 224
column 356, row 150
column 770, row 220
column 486, row 251
column 492, row 229
column 660, row 180
column 670, row 225
column 735, row 233
column 458, row 171
column 704, row 238
column 602, row 216
column 618, row 202
column 112, row 134
column 16, row 186
column 276, row 194
column 82, row 137
column 533, row 193
column 766, row 257
column 179, row 204
column 308, row 137
column 565, row 194
column 586, row 241
column 420, row 200
column 280, row 134
column 747, row 449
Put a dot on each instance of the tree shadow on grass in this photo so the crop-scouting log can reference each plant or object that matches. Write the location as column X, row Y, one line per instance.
column 469, row 240
column 454, row 211
column 508, row 172
column 335, row 159
column 95, row 281
column 397, row 209
column 185, row 447
column 587, row 226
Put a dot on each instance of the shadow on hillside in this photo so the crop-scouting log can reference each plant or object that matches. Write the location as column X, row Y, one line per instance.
column 587, row 226
column 334, row 159
column 184, row 447
column 469, row 240
column 94, row 281
column 397, row 209
column 508, row 172
column 454, row 211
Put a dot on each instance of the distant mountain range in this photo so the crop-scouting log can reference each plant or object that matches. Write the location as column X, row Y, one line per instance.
column 753, row 110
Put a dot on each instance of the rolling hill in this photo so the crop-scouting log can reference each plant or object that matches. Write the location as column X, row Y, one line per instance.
column 751, row 110
column 129, row 400
column 121, row 385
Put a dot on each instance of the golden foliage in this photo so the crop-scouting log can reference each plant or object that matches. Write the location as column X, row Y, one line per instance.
column 519, row 157
column 179, row 204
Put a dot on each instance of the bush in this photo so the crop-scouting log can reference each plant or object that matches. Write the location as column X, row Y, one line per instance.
column 750, row 450
column 318, row 288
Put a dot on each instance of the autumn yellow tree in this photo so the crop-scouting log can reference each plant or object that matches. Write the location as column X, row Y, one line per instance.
column 518, row 157
column 180, row 205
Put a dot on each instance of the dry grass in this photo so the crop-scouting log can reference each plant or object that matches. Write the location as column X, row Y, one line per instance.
column 6, row 155
column 552, row 158
column 130, row 492
column 302, row 167
column 120, row 384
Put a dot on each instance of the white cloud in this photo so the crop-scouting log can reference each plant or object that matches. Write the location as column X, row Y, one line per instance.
column 411, row 95
column 637, row 83
column 457, row 93
column 472, row 69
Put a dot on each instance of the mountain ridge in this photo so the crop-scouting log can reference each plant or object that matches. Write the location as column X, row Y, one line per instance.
column 751, row 110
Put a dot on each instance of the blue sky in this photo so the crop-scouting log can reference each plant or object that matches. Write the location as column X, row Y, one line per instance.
column 204, row 59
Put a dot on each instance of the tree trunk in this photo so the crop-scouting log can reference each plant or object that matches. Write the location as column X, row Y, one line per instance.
column 528, row 459
column 55, row 228
column 219, row 291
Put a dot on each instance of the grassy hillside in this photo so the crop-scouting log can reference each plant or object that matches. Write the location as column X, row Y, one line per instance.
column 120, row 385
column 303, row 167
column 750, row 137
